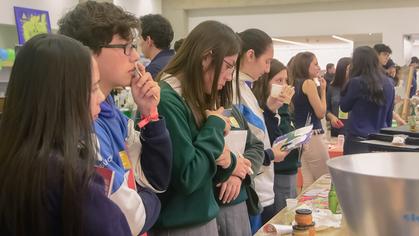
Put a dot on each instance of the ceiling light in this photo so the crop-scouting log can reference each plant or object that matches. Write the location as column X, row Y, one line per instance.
column 342, row 39
column 291, row 42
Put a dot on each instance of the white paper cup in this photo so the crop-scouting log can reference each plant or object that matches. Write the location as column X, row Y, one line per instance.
column 276, row 90
column 291, row 203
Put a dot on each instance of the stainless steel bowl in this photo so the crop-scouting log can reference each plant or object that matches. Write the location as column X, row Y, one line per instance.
column 378, row 192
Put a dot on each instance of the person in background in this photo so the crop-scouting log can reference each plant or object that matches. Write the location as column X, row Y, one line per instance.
column 330, row 73
column 48, row 182
column 156, row 36
column 336, row 117
column 414, row 62
column 256, row 55
column 278, row 122
column 196, row 85
column 142, row 166
column 390, row 68
column 369, row 97
column 177, row 44
column 310, row 107
column 395, row 75
column 383, row 51
column 391, row 71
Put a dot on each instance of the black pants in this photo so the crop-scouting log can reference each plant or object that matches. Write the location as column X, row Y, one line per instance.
column 268, row 212
column 352, row 146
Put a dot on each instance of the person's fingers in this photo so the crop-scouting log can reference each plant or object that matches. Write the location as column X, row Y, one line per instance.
column 237, row 192
column 227, row 193
column 153, row 91
column 222, row 191
column 232, row 193
column 141, row 68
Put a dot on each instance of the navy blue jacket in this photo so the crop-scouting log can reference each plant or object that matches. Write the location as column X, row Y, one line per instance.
column 159, row 62
column 366, row 117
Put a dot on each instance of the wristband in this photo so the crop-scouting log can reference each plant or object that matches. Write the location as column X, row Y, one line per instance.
column 153, row 116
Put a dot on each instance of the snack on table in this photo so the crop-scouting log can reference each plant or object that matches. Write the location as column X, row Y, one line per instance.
column 399, row 139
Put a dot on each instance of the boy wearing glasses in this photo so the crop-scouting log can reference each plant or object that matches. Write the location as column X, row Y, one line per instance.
column 110, row 32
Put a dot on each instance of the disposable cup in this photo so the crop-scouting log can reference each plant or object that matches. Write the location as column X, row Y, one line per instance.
column 276, row 90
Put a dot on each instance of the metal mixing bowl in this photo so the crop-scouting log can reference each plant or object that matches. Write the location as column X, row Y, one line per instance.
column 378, row 192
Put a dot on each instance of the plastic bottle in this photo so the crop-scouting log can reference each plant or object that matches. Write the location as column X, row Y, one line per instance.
column 334, row 206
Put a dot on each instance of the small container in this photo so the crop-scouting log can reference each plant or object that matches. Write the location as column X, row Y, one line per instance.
column 304, row 230
column 303, row 217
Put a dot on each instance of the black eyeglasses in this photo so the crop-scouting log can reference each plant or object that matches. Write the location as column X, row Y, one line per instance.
column 230, row 66
column 127, row 47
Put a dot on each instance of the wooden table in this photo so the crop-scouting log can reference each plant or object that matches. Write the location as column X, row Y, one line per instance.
column 283, row 217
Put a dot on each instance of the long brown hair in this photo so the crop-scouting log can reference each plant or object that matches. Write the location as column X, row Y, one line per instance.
column 300, row 67
column 208, row 38
column 261, row 87
column 46, row 128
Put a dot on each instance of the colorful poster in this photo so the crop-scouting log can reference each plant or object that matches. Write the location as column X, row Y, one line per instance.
column 30, row 22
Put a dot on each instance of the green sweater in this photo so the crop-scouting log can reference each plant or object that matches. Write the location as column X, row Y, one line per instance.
column 189, row 199
column 253, row 152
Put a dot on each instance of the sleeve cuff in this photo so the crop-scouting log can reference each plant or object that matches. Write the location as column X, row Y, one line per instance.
column 268, row 112
column 268, row 157
column 154, row 128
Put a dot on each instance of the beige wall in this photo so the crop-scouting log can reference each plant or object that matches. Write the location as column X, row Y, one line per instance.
column 393, row 19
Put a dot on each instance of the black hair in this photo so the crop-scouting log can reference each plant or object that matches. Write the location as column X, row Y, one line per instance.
column 158, row 29
column 414, row 60
column 379, row 48
column 365, row 63
column 255, row 39
column 340, row 76
column 178, row 44
column 46, row 132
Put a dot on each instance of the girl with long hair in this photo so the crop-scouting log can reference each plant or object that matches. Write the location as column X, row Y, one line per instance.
column 47, row 177
column 336, row 117
column 278, row 122
column 255, row 58
column 369, row 97
column 309, row 104
column 195, row 86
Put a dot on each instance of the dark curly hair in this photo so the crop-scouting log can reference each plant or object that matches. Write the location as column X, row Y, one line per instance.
column 158, row 28
column 95, row 23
